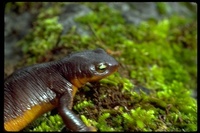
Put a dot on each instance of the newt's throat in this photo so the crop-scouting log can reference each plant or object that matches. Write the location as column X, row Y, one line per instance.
column 79, row 82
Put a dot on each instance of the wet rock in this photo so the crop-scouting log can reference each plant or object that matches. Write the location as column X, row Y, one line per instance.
column 136, row 12
column 69, row 13
column 16, row 27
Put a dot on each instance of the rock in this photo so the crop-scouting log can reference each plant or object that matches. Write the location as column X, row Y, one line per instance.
column 69, row 13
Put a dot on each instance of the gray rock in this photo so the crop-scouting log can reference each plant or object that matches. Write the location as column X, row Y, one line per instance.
column 69, row 13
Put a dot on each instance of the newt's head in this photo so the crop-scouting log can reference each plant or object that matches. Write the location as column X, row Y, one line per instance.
column 89, row 66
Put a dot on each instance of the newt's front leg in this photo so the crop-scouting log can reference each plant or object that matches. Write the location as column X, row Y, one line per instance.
column 71, row 120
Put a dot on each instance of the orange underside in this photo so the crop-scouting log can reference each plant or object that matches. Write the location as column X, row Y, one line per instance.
column 20, row 122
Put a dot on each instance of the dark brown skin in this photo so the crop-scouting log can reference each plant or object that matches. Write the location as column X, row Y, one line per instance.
column 34, row 90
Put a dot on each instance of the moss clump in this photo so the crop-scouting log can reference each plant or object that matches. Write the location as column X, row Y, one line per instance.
column 43, row 37
column 139, row 119
column 48, row 123
column 80, row 106
column 105, row 34
column 163, row 7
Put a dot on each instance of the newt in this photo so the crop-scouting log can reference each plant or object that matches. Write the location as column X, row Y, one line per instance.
column 34, row 90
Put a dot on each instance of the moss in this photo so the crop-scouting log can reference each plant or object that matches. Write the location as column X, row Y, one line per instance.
column 158, row 56
column 48, row 123
column 88, row 122
column 102, row 124
column 46, row 33
column 139, row 119
column 163, row 7
column 21, row 7
column 82, row 105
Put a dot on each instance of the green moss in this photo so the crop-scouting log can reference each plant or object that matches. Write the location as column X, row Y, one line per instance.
column 102, row 124
column 139, row 119
column 88, row 122
column 163, row 7
column 115, row 79
column 82, row 105
column 47, row 123
column 103, row 31
column 46, row 33
column 21, row 7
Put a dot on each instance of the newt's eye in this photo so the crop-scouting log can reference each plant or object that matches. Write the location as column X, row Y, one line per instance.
column 101, row 67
